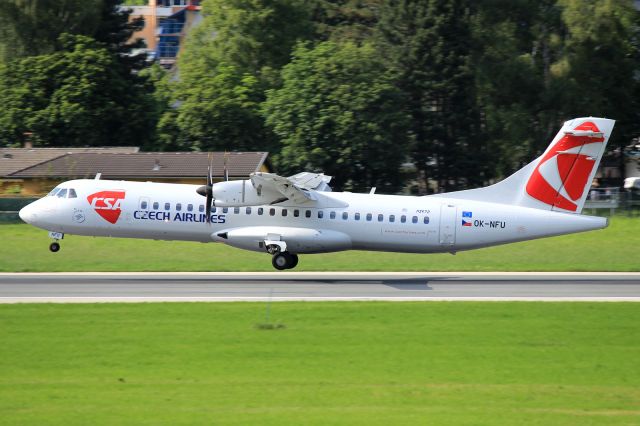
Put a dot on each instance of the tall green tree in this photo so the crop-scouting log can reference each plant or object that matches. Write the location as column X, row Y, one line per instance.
column 429, row 42
column 338, row 112
column 73, row 97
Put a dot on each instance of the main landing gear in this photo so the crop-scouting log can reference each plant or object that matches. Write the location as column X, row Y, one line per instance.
column 284, row 260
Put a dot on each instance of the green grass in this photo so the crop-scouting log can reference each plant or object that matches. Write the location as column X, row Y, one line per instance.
column 25, row 248
column 332, row 363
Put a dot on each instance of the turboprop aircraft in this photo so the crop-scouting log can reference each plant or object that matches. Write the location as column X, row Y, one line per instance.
column 288, row 216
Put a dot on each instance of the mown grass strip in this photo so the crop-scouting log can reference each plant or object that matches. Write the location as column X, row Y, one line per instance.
column 331, row 363
column 25, row 248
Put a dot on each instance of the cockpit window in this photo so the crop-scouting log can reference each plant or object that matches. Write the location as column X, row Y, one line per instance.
column 72, row 193
column 53, row 191
column 62, row 193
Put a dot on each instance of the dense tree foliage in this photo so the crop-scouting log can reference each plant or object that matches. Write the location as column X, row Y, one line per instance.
column 339, row 112
column 463, row 92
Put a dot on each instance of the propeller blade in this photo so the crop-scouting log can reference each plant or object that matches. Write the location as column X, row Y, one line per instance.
column 226, row 172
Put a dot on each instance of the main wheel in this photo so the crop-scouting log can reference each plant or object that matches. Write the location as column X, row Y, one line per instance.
column 294, row 261
column 54, row 247
column 282, row 260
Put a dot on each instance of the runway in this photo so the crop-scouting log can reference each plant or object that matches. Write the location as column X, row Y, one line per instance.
column 313, row 286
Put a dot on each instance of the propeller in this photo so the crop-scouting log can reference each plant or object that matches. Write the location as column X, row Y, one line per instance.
column 226, row 172
column 207, row 190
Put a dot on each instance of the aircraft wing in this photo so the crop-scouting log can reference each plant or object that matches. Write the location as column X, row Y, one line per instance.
column 299, row 188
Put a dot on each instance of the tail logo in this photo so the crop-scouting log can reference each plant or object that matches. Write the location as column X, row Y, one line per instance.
column 561, row 176
column 107, row 204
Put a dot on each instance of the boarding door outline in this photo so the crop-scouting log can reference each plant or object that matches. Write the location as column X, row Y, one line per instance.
column 448, row 214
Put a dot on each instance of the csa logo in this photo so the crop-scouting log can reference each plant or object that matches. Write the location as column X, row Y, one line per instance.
column 107, row 204
column 560, row 178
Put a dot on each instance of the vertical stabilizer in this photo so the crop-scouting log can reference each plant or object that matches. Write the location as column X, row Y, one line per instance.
column 560, row 179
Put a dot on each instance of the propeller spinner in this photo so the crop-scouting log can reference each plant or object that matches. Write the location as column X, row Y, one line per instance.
column 207, row 191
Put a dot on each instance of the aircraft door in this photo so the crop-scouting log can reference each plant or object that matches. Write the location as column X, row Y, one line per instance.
column 448, row 225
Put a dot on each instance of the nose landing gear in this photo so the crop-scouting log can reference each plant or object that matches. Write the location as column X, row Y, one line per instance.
column 55, row 245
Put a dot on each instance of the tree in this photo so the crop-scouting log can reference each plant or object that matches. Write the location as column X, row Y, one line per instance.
column 217, row 110
column 429, row 42
column 74, row 97
column 338, row 112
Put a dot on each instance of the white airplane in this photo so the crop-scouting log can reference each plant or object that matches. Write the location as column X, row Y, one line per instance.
column 287, row 216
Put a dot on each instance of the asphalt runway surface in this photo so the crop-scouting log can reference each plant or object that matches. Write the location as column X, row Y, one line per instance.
column 311, row 286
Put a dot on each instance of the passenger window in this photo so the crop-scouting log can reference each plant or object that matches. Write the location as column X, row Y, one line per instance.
column 392, row 218
column 236, row 210
column 320, row 214
column 426, row 220
column 62, row 193
column 307, row 213
column 272, row 212
column 225, row 209
column 414, row 219
column 380, row 217
column 403, row 218
column 143, row 205
column 214, row 209
column 178, row 207
column 260, row 211
column 296, row 213
column 356, row 216
column 167, row 206
column 201, row 208
column 248, row 210
column 156, row 205
column 284, row 212
column 189, row 207
column 345, row 215
column 72, row 193
column 332, row 215
column 369, row 217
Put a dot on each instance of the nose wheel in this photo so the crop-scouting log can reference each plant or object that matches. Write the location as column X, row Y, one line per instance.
column 54, row 247
column 284, row 260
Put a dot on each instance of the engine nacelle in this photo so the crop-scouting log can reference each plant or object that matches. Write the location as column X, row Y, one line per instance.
column 237, row 193
column 297, row 240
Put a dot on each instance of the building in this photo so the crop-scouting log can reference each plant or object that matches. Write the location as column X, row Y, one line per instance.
column 166, row 24
column 33, row 172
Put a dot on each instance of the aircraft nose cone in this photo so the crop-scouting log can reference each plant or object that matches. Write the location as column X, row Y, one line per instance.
column 26, row 214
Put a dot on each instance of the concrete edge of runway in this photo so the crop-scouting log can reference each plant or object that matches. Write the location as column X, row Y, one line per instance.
column 293, row 274
column 39, row 300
